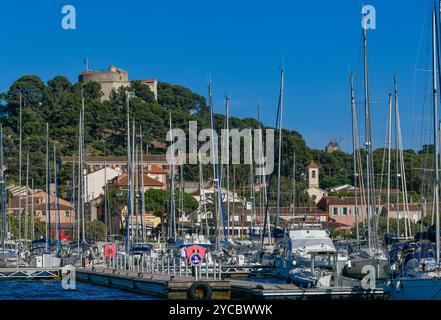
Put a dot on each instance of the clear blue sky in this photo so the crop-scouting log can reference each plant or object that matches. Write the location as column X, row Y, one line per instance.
column 239, row 45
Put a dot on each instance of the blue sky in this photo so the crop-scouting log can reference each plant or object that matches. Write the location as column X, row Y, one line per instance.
column 240, row 46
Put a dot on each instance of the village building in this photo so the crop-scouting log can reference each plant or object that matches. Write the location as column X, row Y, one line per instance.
column 315, row 193
column 58, row 207
column 97, row 180
column 94, row 163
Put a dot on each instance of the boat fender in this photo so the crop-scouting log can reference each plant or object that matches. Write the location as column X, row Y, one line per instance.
column 199, row 290
column 398, row 286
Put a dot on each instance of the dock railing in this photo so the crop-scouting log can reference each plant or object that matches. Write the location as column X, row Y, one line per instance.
column 167, row 265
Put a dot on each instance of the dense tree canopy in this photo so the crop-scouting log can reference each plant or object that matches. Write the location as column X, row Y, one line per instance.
column 58, row 103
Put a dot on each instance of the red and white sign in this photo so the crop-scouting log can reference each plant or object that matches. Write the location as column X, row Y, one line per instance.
column 195, row 250
column 109, row 251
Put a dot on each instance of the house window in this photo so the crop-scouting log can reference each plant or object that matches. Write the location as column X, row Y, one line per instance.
column 345, row 211
column 334, row 211
column 66, row 213
column 313, row 174
column 43, row 213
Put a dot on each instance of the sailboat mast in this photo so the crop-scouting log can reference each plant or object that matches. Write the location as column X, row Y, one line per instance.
column 57, row 200
column 354, row 158
column 48, row 219
column 20, row 140
column 3, row 189
column 294, row 186
column 142, row 195
column 228, row 161
column 389, row 142
column 32, row 211
column 279, row 160
column 128, row 175
column 106, row 204
column 82, row 172
column 26, row 200
column 368, row 142
column 172, row 193
column 435, row 134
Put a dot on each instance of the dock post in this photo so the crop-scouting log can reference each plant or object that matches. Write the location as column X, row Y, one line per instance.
column 125, row 261
column 162, row 265
column 206, row 269
column 214, row 269
column 220, row 269
column 180, row 266
column 168, row 265
column 185, row 266
column 174, row 266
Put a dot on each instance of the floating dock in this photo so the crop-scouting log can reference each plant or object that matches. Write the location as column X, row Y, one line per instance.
column 159, row 285
column 167, row 286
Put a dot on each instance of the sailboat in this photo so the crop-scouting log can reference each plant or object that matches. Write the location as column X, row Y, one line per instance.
column 415, row 266
column 373, row 254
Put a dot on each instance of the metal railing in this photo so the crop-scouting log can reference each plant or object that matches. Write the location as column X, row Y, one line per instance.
column 166, row 265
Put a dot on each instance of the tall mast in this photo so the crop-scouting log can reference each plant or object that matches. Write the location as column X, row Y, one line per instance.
column 3, row 189
column 142, row 189
column 294, row 187
column 32, row 211
column 280, row 146
column 260, row 175
column 202, row 195
column 26, row 199
column 48, row 179
column 129, row 184
column 389, row 142
column 20, row 140
column 228, row 161
column 172, row 193
column 354, row 149
column 82, row 172
column 57, row 199
column 435, row 133
column 213, row 159
column 106, row 204
column 368, row 143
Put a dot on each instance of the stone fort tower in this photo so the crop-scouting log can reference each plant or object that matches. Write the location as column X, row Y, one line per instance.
column 113, row 78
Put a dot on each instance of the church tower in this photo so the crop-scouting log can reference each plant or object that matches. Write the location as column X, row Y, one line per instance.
column 313, row 175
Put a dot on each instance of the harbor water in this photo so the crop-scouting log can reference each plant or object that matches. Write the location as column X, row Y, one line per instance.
column 52, row 290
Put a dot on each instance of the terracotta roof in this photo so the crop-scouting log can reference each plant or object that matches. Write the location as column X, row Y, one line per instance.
column 335, row 201
column 53, row 206
column 148, row 182
column 156, row 169
column 312, row 165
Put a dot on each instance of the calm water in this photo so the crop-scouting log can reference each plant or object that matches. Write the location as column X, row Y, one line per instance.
column 52, row 290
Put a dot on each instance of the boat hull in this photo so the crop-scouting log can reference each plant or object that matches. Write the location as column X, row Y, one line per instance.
column 415, row 289
column 354, row 268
